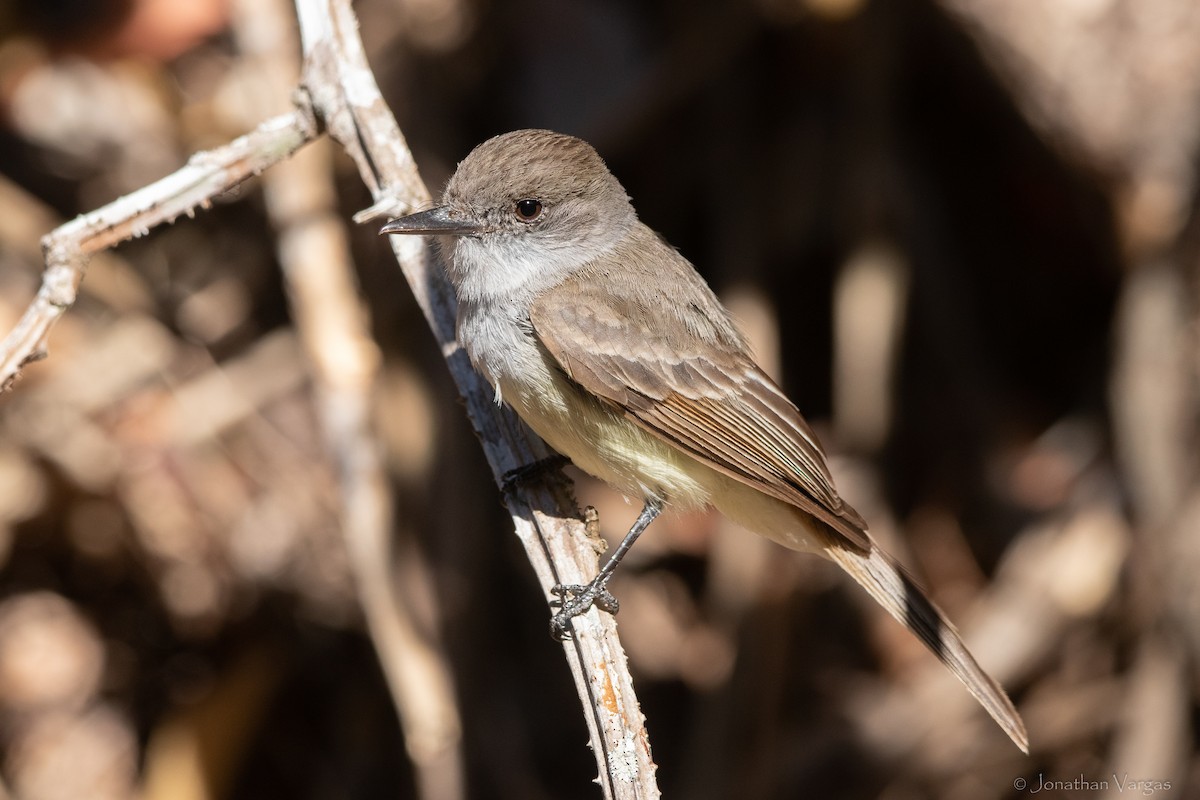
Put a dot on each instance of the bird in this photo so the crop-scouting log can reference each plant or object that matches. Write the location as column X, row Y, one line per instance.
column 608, row 344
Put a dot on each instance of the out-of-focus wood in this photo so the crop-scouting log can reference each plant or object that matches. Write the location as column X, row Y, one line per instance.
column 318, row 273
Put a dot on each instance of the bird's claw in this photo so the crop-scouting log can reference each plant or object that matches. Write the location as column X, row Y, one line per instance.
column 574, row 600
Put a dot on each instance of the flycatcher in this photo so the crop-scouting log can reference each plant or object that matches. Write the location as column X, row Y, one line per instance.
column 609, row 345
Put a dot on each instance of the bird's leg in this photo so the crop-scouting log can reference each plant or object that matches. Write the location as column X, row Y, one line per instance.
column 533, row 471
column 575, row 600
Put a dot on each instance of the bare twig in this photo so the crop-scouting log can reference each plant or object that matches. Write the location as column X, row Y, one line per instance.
column 117, row 284
column 343, row 89
column 68, row 247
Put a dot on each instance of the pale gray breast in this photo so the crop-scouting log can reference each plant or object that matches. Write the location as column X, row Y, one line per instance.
column 498, row 337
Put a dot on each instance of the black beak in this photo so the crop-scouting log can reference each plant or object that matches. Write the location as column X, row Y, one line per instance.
column 434, row 222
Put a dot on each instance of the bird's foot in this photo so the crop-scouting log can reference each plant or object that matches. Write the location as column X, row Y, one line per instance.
column 575, row 600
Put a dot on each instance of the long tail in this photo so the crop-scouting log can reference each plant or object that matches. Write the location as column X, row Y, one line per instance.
column 886, row 582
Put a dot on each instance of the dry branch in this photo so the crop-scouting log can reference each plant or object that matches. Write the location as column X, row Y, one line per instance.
column 68, row 247
column 344, row 93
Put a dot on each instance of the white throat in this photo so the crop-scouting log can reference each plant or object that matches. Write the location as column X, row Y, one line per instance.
column 503, row 267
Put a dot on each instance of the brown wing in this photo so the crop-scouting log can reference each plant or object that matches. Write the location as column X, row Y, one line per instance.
column 681, row 372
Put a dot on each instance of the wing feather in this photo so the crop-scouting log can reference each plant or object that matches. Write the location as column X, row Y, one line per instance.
column 690, row 381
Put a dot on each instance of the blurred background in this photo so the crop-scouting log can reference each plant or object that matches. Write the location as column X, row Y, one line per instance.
column 962, row 234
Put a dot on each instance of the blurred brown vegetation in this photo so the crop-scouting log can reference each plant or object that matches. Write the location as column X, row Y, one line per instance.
column 963, row 234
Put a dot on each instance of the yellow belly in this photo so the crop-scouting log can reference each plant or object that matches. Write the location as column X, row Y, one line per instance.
column 605, row 444
column 616, row 450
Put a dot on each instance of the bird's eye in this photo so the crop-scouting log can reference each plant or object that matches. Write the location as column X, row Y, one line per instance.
column 528, row 210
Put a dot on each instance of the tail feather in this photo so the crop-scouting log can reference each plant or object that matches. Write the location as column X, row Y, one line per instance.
column 885, row 581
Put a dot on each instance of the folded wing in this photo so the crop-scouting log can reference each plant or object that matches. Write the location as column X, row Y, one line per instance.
column 687, row 378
